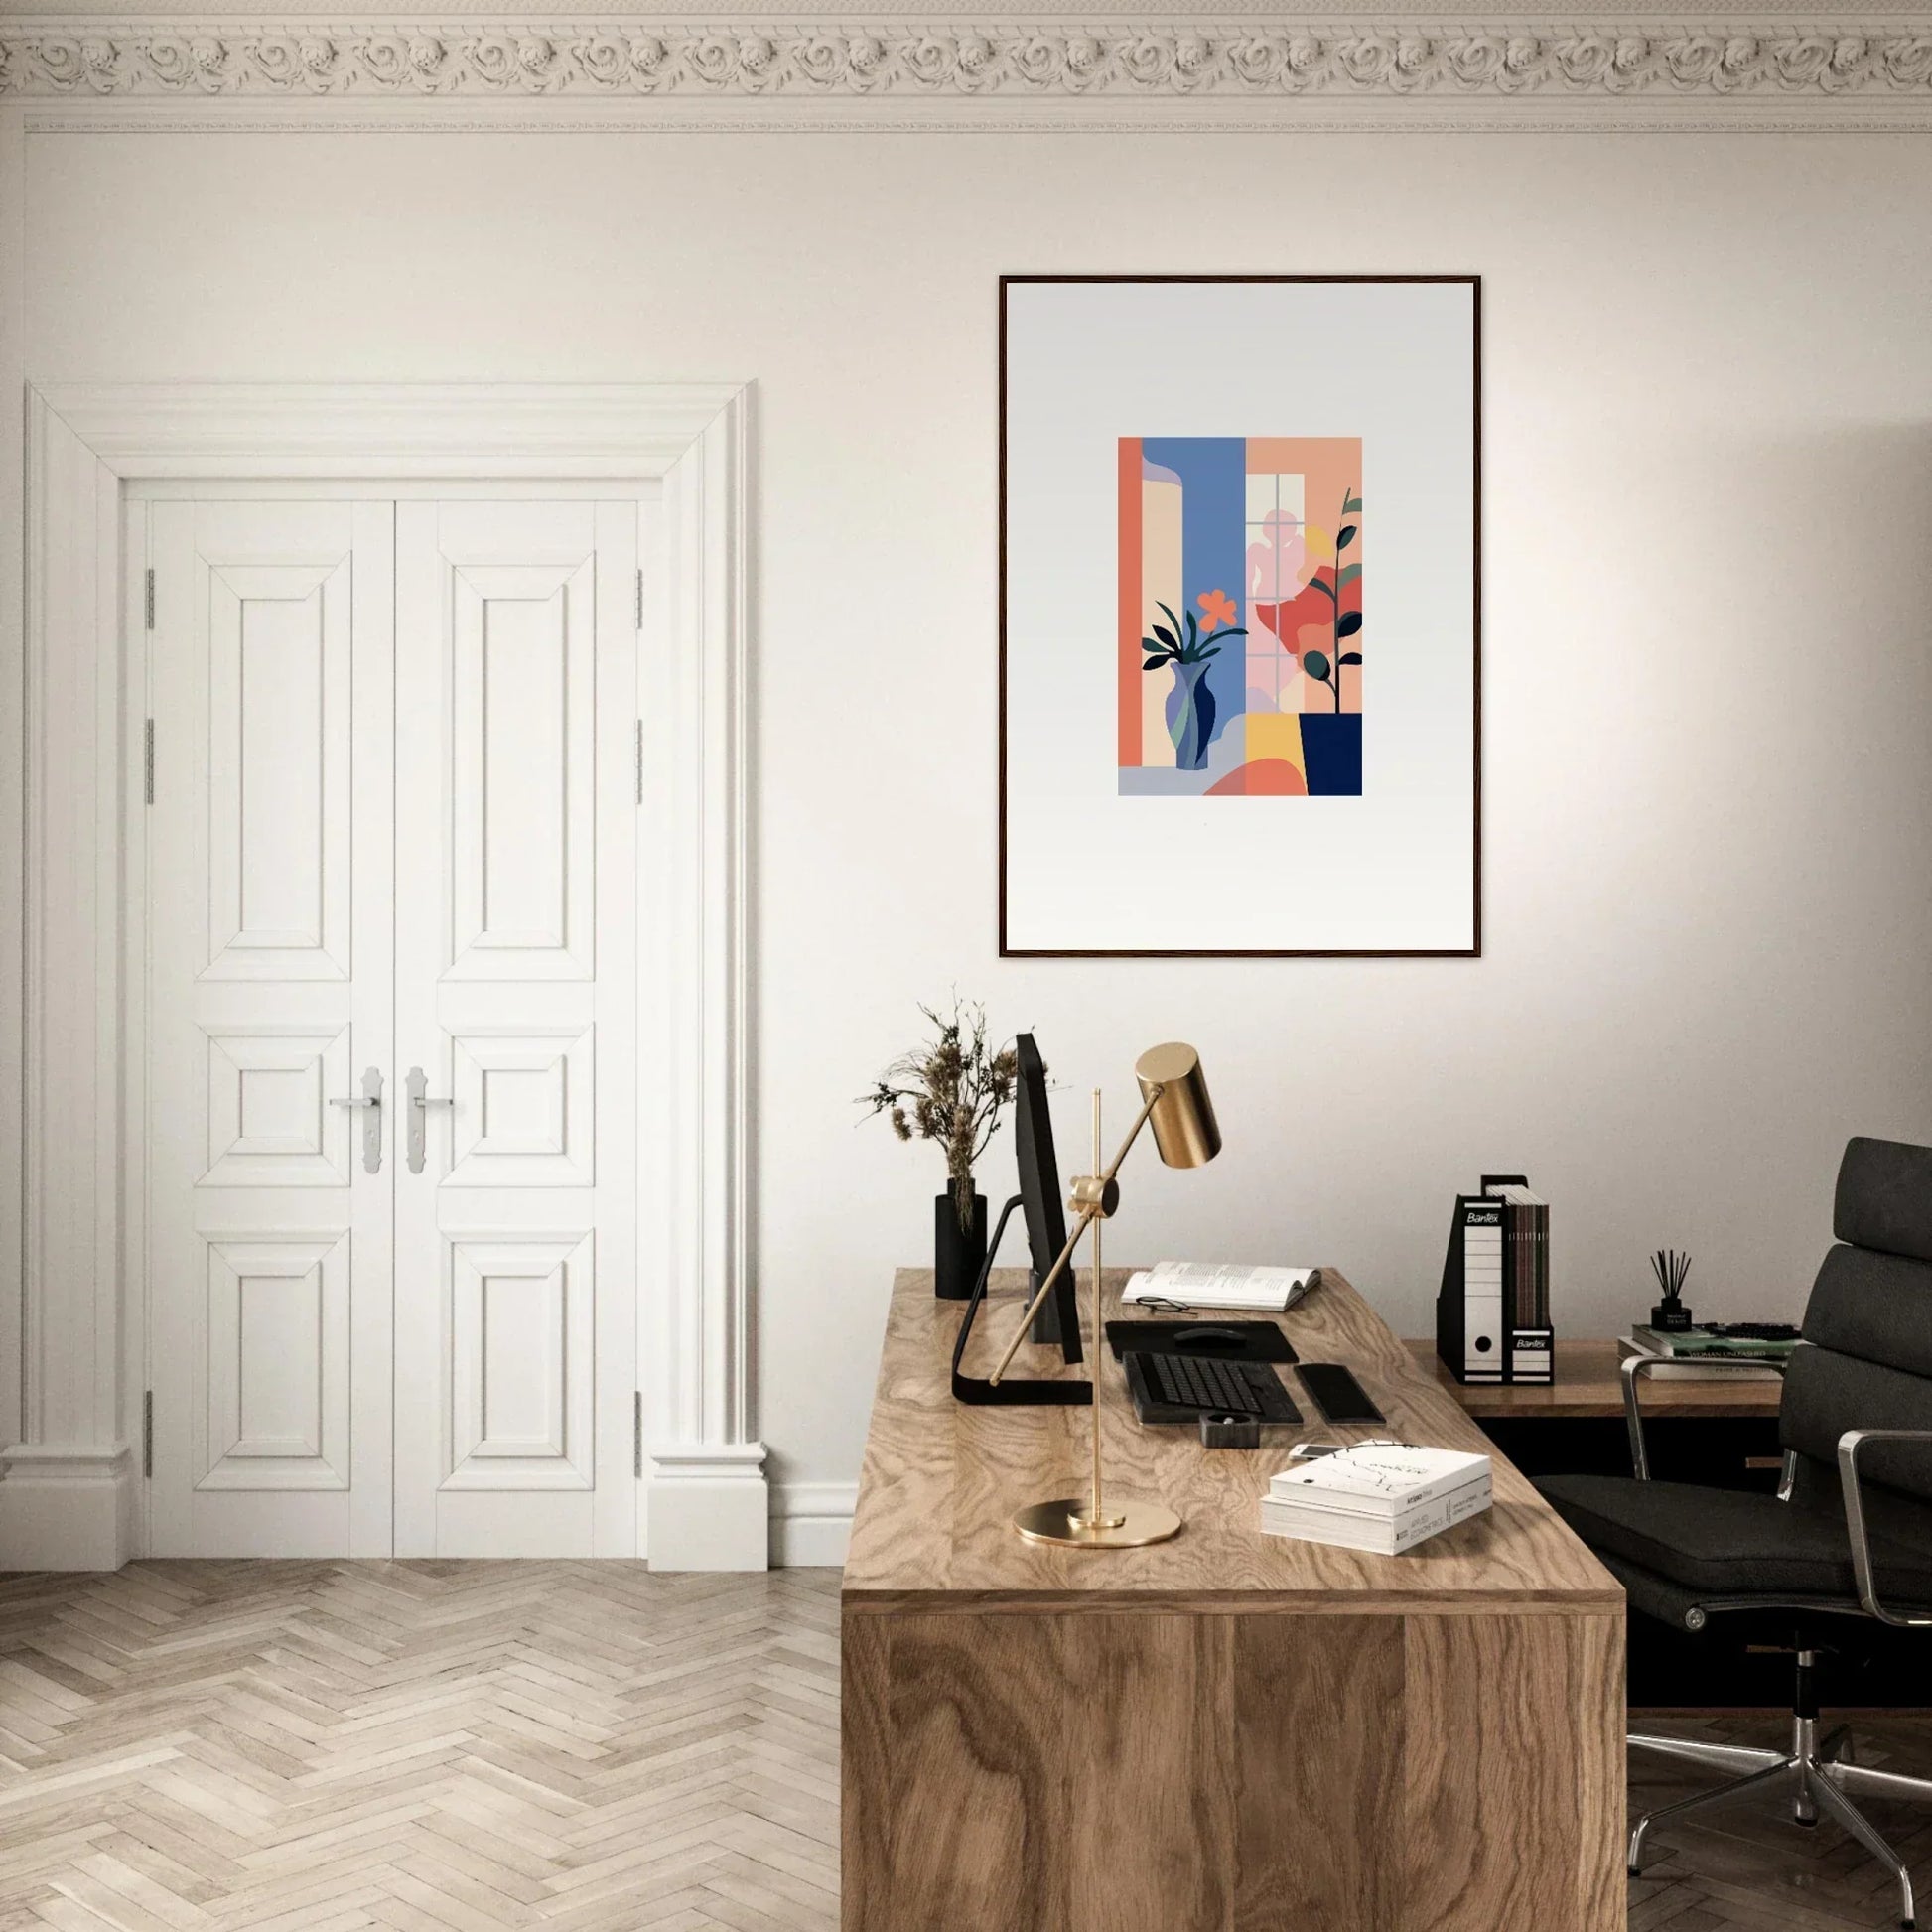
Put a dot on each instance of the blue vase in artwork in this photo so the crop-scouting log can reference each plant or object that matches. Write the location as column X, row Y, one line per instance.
column 1191, row 715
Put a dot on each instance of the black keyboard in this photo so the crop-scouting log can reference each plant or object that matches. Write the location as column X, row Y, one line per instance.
column 1212, row 1387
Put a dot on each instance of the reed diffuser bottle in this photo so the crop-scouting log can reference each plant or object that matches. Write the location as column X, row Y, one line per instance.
column 1670, row 1317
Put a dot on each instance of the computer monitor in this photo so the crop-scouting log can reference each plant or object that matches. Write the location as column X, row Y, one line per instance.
column 1040, row 1196
column 1038, row 1200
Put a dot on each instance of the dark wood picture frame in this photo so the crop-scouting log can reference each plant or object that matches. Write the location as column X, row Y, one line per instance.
column 1474, row 950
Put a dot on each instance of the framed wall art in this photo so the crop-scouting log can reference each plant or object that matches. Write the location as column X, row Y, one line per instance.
column 1240, row 615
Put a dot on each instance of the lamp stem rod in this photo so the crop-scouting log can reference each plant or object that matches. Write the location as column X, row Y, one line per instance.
column 1133, row 1134
column 1088, row 1215
column 1093, row 1515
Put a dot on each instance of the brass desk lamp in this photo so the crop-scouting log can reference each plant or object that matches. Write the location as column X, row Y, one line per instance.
column 1174, row 1102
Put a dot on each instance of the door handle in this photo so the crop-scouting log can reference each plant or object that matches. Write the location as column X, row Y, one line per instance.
column 371, row 1099
column 420, row 1102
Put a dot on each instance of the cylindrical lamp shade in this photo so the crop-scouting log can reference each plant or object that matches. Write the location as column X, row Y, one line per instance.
column 1184, row 1128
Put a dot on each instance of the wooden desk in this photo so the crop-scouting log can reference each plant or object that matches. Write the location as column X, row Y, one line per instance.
column 1227, row 1732
column 1587, row 1385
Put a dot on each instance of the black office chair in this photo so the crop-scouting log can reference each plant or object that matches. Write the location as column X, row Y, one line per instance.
column 1849, row 1536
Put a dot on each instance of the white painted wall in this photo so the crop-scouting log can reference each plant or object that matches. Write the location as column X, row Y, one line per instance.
column 1708, row 436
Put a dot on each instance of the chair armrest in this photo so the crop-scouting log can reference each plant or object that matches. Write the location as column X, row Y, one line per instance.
column 1634, row 1367
column 1849, row 1446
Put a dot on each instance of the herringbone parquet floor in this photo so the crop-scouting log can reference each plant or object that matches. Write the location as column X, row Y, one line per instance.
column 459, row 1747
column 429, row 1746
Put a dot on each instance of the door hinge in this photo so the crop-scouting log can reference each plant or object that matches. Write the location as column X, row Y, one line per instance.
column 147, row 1434
column 637, row 1432
column 640, row 599
column 147, row 760
column 149, row 594
column 640, row 761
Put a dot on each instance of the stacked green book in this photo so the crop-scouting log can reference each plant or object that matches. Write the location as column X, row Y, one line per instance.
column 1701, row 1341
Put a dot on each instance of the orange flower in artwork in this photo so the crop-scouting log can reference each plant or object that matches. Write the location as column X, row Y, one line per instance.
column 1219, row 608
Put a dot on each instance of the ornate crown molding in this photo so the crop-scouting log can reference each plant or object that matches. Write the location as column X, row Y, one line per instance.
column 1237, row 66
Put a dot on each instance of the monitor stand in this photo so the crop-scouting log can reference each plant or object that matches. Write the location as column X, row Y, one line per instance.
column 1010, row 1390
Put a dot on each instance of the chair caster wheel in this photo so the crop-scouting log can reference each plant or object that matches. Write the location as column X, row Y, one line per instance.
column 1634, row 1872
column 1809, row 1823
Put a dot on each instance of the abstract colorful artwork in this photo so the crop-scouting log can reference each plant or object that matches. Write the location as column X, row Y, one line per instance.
column 1240, row 616
column 1241, row 641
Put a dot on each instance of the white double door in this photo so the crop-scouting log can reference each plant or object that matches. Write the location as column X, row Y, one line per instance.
column 391, row 859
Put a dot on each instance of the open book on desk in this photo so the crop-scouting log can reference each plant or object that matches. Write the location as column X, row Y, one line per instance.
column 1220, row 1284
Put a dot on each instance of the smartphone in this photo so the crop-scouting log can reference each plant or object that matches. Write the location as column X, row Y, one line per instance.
column 1338, row 1394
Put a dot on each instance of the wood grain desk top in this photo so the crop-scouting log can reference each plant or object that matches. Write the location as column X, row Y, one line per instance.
column 1588, row 1384
column 941, row 1479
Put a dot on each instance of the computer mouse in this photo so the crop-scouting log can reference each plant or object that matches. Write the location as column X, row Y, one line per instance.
column 1205, row 1338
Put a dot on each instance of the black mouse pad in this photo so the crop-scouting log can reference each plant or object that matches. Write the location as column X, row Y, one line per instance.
column 1225, row 1341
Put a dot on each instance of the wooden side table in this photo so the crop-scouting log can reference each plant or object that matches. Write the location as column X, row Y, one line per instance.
column 1587, row 1385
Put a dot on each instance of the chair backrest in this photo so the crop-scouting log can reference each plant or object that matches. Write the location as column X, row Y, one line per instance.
column 1868, row 1326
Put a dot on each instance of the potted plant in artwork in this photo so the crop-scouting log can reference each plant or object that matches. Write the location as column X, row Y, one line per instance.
column 1331, row 741
column 952, row 1088
column 1191, row 709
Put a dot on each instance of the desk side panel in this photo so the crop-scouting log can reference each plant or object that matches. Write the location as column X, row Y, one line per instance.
column 1513, row 1774
column 1319, row 1723
column 1138, row 1772
column 957, row 1774
column 865, row 1804
column 1150, row 1786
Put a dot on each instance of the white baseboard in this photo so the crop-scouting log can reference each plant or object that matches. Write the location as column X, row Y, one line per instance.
column 74, row 1509
column 710, row 1507
column 65, row 1508
column 811, row 1524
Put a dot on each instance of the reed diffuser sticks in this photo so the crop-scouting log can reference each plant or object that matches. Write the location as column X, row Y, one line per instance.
column 1670, row 1266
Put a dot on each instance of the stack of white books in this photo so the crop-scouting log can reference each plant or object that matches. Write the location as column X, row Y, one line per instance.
column 1380, row 1496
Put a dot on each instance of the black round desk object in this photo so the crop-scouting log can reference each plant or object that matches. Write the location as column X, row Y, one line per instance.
column 1206, row 1341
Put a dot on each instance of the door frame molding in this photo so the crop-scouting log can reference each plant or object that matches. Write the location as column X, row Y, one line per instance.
column 67, row 1497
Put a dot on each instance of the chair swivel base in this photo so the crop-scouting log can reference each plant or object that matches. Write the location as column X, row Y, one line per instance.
column 1817, row 1774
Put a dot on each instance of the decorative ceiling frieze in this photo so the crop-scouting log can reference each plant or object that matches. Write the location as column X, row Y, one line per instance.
column 1239, row 65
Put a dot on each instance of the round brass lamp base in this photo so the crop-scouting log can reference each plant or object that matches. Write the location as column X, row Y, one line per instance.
column 1129, row 1525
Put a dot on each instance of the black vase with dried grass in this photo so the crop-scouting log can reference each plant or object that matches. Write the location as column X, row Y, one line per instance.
column 951, row 1089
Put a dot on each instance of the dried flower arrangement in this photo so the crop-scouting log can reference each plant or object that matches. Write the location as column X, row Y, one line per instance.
column 952, row 1090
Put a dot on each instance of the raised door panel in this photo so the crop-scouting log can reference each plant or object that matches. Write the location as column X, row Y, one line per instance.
column 274, row 1389
column 523, row 771
column 269, row 992
column 270, row 1118
column 278, row 771
column 522, row 1318
column 524, row 1113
